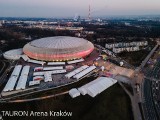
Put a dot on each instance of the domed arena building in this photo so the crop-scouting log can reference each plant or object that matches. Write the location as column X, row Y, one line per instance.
column 50, row 63
column 60, row 48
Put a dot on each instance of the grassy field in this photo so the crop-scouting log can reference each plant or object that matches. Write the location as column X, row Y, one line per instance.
column 113, row 104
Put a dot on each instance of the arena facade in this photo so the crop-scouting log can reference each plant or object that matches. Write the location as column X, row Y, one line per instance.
column 60, row 48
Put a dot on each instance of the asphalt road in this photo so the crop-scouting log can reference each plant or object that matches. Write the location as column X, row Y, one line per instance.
column 147, row 58
column 151, row 107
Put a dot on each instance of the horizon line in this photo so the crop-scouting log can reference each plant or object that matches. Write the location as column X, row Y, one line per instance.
column 83, row 17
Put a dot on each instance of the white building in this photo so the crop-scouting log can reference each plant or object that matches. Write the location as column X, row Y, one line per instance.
column 23, row 78
column 84, row 72
column 13, row 79
column 128, row 49
column 97, row 86
column 124, row 44
column 74, row 93
column 14, row 54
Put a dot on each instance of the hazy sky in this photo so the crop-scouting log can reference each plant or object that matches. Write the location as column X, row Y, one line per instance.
column 68, row 8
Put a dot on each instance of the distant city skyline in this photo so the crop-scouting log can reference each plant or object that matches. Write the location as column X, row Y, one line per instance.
column 68, row 8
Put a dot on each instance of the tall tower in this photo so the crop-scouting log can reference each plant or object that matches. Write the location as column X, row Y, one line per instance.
column 89, row 13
